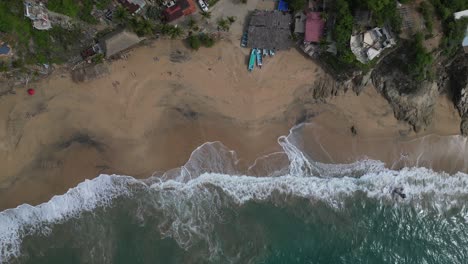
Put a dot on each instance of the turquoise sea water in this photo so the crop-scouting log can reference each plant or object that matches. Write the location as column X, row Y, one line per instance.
column 206, row 212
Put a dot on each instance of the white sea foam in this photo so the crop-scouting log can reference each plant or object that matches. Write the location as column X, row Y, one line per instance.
column 191, row 198
column 25, row 220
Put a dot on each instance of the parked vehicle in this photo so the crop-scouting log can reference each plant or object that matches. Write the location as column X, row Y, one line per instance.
column 203, row 5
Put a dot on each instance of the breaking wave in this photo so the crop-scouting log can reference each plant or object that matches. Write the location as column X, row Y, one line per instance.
column 188, row 204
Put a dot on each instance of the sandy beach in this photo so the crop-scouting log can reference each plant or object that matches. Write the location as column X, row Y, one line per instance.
column 163, row 101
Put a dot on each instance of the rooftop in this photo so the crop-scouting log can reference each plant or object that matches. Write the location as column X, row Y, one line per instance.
column 172, row 13
column 38, row 14
column 270, row 30
column 118, row 41
column 461, row 14
column 133, row 6
column 314, row 27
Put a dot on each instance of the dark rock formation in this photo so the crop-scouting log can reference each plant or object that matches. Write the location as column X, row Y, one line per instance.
column 455, row 81
column 411, row 101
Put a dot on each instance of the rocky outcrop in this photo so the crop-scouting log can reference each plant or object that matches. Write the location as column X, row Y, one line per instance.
column 459, row 83
column 458, row 86
column 411, row 101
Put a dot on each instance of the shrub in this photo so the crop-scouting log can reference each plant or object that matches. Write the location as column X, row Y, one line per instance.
column 427, row 11
column 206, row 40
column 420, row 59
column 194, row 42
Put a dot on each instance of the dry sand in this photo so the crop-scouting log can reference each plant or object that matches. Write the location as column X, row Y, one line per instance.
column 150, row 113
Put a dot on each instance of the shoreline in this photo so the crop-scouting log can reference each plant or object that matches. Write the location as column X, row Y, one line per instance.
column 149, row 116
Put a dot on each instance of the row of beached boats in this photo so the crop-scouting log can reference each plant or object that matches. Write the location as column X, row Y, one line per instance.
column 256, row 56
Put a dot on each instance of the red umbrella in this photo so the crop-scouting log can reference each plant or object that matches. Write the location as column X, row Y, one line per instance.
column 31, row 91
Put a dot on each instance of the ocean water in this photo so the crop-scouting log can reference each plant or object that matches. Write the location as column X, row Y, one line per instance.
column 286, row 208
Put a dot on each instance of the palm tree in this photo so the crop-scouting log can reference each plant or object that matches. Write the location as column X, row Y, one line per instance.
column 176, row 32
column 192, row 23
column 206, row 15
column 120, row 15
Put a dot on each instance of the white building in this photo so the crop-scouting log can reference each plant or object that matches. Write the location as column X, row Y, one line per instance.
column 370, row 44
column 38, row 15
column 461, row 14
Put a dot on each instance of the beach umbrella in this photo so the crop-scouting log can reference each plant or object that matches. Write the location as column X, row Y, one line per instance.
column 31, row 91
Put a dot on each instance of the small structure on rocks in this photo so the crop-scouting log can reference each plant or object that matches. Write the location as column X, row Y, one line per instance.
column 38, row 15
column 269, row 30
column 368, row 45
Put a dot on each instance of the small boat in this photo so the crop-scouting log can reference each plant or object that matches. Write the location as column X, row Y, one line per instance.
column 265, row 52
column 253, row 55
column 259, row 58
column 272, row 52
column 244, row 40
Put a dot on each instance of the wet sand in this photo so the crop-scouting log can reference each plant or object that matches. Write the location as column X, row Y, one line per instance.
column 155, row 108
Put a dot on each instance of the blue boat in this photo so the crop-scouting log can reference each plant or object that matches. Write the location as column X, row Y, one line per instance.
column 272, row 52
column 253, row 55
column 244, row 40
column 259, row 58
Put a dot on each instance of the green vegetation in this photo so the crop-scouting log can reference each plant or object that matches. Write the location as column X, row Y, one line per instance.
column 170, row 30
column 192, row 24
column 141, row 26
column 77, row 9
column 427, row 11
column 195, row 41
column 420, row 60
column 297, row 5
column 34, row 46
column 454, row 30
column 225, row 23
column 99, row 58
column 212, row 2
column 342, row 32
column 382, row 11
column 153, row 12
column 206, row 15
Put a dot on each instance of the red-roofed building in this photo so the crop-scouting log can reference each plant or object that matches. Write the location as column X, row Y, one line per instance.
column 188, row 6
column 172, row 13
column 314, row 27
column 180, row 9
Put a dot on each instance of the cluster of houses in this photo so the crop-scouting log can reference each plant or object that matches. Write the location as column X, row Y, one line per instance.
column 172, row 9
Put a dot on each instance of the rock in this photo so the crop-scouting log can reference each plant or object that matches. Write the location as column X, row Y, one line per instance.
column 458, row 83
column 361, row 81
column 411, row 101
column 464, row 126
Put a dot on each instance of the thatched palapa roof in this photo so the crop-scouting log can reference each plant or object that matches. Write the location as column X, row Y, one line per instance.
column 118, row 41
column 270, row 30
